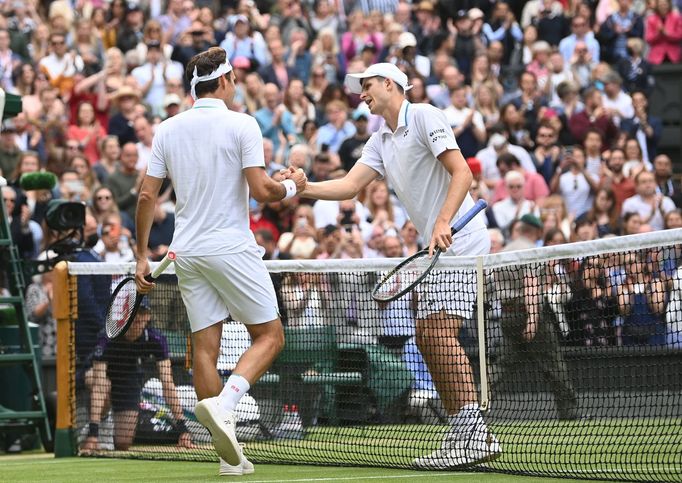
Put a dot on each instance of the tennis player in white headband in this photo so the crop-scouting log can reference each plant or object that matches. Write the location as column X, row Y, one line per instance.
column 214, row 157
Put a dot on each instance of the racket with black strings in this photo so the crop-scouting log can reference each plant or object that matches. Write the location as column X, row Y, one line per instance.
column 414, row 269
column 125, row 300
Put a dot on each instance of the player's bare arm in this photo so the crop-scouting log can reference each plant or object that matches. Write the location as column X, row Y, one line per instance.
column 263, row 188
column 144, row 217
column 341, row 189
column 460, row 181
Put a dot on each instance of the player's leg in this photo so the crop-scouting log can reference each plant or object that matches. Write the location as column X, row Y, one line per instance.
column 205, row 352
column 125, row 425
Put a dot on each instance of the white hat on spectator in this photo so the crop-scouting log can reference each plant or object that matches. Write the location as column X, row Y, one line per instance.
column 171, row 99
column 240, row 18
column 384, row 69
column 497, row 140
column 407, row 39
column 476, row 13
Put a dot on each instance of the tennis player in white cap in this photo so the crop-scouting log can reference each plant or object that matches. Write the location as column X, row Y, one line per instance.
column 214, row 158
column 416, row 151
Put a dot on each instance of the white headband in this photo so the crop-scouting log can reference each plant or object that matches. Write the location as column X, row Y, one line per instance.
column 220, row 71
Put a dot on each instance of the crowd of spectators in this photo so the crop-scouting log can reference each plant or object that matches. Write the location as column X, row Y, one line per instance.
column 548, row 100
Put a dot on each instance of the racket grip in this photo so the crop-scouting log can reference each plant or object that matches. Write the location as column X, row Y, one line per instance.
column 469, row 215
column 163, row 264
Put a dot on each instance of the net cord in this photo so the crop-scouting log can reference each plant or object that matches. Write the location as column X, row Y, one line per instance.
column 497, row 260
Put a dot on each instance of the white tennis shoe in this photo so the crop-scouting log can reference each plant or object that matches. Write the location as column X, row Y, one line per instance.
column 222, row 429
column 243, row 468
column 479, row 447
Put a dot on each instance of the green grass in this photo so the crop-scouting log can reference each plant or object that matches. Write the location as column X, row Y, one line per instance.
column 33, row 468
column 632, row 449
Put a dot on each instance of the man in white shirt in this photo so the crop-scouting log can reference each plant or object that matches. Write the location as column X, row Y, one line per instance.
column 467, row 124
column 515, row 205
column 416, row 152
column 498, row 144
column 615, row 101
column 214, row 158
column 651, row 206
column 153, row 74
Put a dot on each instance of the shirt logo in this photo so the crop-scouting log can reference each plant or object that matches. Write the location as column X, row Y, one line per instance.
column 437, row 134
column 407, row 131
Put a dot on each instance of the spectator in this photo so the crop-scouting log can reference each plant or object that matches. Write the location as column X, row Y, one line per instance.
column 663, row 33
column 357, row 36
column 9, row 61
column 87, row 131
column 275, row 121
column 61, row 65
column 351, row 149
column 381, row 209
column 411, row 242
column 593, row 158
column 408, row 58
column 535, row 187
column 301, row 242
column 130, row 29
column 467, row 124
column 605, row 213
column 644, row 127
column 503, row 28
column 574, row 183
column 125, row 180
column 641, row 300
column 614, row 177
column 556, row 205
column 299, row 57
column 104, row 204
column 112, row 249
column 298, row 104
column 665, row 184
column 19, row 219
column 593, row 117
column 617, row 103
column 581, row 64
column 161, row 232
column 121, row 123
column 241, row 42
column 632, row 224
column 496, row 240
column 485, row 103
column 618, row 28
column 515, row 205
column 81, row 166
column 183, row 52
column 634, row 69
column 497, row 145
column 580, row 32
column 551, row 22
column 39, row 295
column 339, row 128
column 634, row 158
column 278, row 72
column 650, row 205
column 110, row 151
column 152, row 75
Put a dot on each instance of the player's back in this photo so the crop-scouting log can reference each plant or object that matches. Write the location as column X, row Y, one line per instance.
column 204, row 151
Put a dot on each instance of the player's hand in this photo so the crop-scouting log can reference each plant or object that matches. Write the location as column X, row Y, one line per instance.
column 141, row 271
column 299, row 177
column 185, row 441
column 91, row 444
column 441, row 237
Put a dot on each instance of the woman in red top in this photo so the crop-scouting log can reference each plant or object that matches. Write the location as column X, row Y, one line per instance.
column 87, row 131
column 663, row 33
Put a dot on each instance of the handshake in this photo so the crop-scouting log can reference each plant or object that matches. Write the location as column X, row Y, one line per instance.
column 297, row 175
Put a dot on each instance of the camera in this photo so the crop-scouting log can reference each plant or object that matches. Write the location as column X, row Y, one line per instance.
column 347, row 220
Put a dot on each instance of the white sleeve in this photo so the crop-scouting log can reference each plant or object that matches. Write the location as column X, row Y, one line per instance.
column 434, row 130
column 478, row 121
column 251, row 141
column 156, row 166
column 371, row 155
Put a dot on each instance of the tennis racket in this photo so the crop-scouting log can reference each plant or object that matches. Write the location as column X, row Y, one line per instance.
column 414, row 269
column 125, row 300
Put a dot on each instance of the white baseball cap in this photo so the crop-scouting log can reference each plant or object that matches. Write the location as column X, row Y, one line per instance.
column 383, row 69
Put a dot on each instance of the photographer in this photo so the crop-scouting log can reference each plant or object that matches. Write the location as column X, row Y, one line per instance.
column 301, row 241
column 350, row 244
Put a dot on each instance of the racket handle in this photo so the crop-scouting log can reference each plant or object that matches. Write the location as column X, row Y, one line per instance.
column 163, row 264
column 469, row 215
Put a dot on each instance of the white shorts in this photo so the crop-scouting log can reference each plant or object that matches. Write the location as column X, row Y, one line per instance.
column 453, row 292
column 236, row 284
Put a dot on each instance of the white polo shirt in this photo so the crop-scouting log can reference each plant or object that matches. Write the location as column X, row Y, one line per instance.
column 407, row 158
column 203, row 151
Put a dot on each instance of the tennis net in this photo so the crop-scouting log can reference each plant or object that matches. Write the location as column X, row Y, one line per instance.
column 575, row 351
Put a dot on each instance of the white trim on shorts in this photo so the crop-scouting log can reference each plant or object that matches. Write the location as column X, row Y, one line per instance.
column 236, row 284
column 453, row 292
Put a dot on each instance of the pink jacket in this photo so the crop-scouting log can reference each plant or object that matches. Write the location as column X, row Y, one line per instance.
column 670, row 44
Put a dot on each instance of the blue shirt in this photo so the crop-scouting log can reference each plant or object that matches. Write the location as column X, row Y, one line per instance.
column 329, row 135
column 286, row 125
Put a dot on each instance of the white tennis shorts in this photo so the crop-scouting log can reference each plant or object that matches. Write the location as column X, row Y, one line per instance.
column 453, row 292
column 236, row 284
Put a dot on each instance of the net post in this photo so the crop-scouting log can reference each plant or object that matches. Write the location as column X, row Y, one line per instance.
column 482, row 359
column 64, row 433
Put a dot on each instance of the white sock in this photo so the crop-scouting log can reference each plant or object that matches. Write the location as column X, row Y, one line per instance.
column 464, row 422
column 235, row 387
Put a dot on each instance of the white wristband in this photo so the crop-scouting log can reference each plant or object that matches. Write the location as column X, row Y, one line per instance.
column 290, row 186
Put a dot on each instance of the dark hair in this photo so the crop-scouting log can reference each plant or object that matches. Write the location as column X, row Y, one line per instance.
column 509, row 159
column 551, row 233
column 206, row 62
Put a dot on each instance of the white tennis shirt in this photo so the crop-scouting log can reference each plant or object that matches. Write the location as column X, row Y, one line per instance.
column 407, row 158
column 203, row 151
